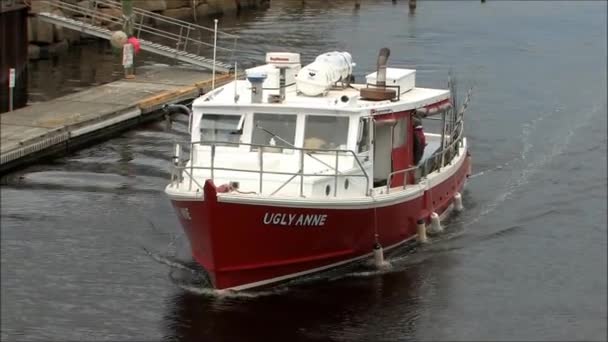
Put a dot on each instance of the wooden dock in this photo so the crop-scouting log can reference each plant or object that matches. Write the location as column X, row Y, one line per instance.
column 64, row 124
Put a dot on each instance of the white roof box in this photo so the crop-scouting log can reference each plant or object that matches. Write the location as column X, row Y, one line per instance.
column 404, row 78
column 283, row 59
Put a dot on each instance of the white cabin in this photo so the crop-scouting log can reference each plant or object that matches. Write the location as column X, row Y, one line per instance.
column 270, row 138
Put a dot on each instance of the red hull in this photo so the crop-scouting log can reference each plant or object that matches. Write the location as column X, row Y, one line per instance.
column 249, row 245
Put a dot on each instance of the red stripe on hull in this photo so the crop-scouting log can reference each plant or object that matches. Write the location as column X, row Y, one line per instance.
column 240, row 244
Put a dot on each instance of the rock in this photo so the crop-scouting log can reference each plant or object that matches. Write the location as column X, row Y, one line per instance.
column 150, row 5
column 215, row 6
column 44, row 32
column 85, row 4
column 178, row 13
column 116, row 15
column 33, row 51
column 72, row 36
column 202, row 10
column 32, row 29
column 114, row 26
column 114, row 12
column 59, row 47
column 58, row 32
column 228, row 6
column 42, row 6
column 171, row 4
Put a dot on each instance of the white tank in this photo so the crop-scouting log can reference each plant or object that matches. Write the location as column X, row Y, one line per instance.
column 317, row 77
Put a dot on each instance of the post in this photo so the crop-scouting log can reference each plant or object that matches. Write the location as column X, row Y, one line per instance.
column 357, row 4
column 127, row 27
column 127, row 60
column 261, row 162
column 11, row 86
column 301, row 173
column 336, row 177
column 212, row 160
column 214, row 53
column 443, row 131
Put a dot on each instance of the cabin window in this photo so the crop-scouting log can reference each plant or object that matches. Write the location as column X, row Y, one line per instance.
column 277, row 130
column 326, row 132
column 221, row 128
column 363, row 137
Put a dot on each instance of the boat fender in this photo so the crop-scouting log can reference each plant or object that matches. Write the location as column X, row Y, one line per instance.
column 230, row 187
column 458, row 202
column 436, row 227
column 421, row 231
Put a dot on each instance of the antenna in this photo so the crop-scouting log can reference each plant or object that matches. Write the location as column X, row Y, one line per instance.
column 236, row 95
column 214, row 52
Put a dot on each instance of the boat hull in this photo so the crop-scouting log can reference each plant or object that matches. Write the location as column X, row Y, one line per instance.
column 246, row 244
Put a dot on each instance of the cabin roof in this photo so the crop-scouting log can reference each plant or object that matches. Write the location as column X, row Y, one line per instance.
column 224, row 98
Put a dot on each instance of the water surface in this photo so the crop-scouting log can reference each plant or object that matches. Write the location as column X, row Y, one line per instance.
column 525, row 261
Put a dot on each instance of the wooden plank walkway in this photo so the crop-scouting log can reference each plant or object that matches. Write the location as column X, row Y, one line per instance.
column 60, row 125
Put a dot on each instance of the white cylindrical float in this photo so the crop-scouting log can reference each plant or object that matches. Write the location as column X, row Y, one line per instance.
column 436, row 227
column 458, row 202
column 421, row 231
column 118, row 39
column 177, row 155
column 379, row 256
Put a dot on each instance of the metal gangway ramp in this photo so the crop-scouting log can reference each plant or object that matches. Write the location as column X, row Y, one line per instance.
column 178, row 39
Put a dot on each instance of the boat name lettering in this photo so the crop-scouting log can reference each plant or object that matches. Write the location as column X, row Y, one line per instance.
column 295, row 220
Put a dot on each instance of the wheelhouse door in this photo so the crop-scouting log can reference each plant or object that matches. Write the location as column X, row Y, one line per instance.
column 391, row 152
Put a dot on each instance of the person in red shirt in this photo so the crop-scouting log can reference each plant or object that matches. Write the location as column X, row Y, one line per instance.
column 419, row 140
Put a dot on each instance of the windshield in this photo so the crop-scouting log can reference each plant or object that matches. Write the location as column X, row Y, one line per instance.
column 282, row 126
column 220, row 127
column 326, row 132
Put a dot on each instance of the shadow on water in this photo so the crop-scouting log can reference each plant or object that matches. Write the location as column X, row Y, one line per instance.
column 350, row 307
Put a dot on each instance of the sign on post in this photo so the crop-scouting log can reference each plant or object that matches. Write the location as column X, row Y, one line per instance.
column 11, row 78
column 127, row 55
column 11, row 85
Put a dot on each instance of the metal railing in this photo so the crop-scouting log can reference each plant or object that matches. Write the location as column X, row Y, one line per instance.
column 435, row 162
column 180, row 35
column 189, row 170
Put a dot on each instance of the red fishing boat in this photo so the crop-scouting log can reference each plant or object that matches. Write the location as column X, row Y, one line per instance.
column 296, row 170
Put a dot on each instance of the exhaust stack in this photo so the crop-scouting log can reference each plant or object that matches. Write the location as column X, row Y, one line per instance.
column 379, row 92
